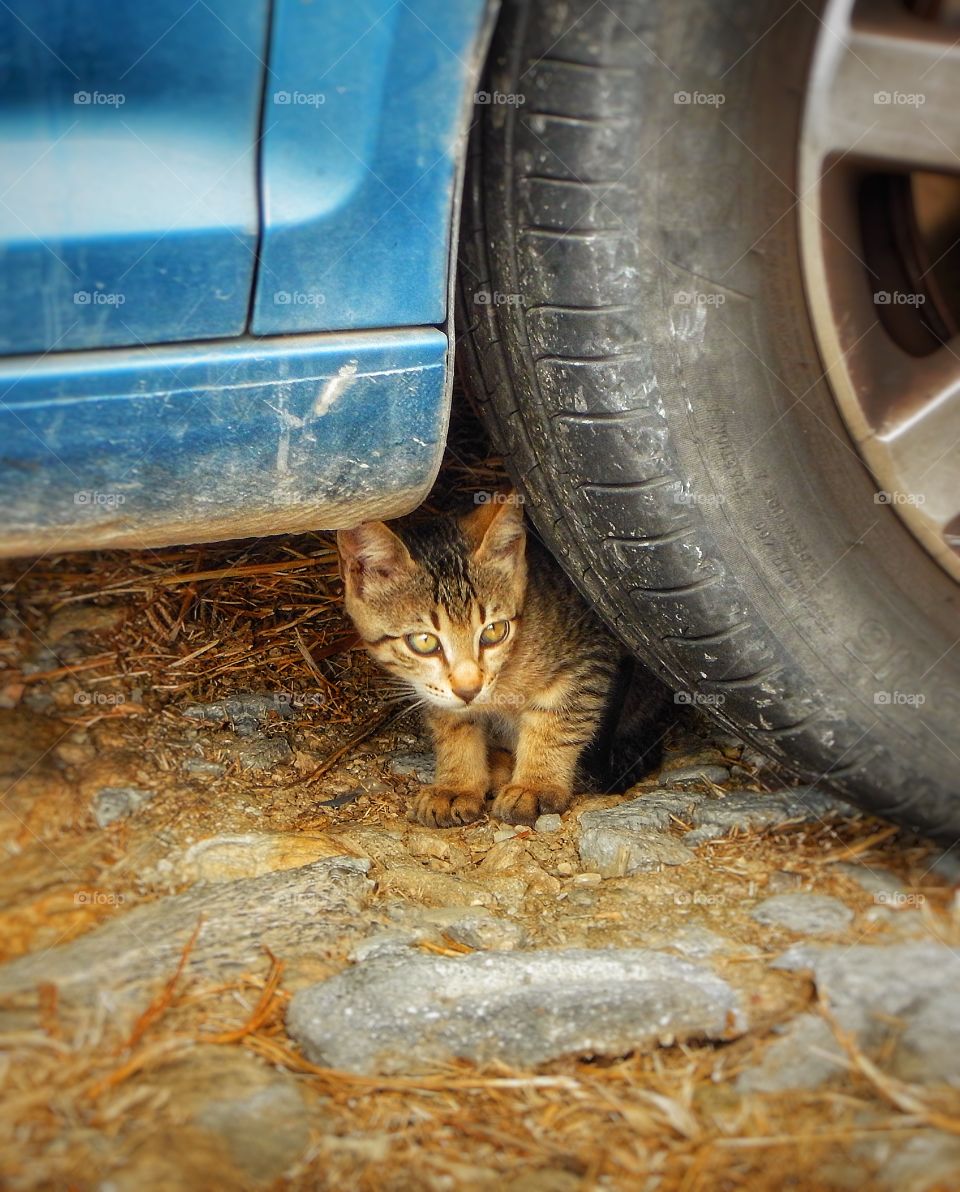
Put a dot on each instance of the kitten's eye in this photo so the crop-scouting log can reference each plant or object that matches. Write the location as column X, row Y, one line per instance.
column 423, row 643
column 494, row 633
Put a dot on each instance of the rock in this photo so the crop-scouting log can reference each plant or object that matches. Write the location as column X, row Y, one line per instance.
column 75, row 752
column 413, row 765
column 264, row 1131
column 700, row 942
column 806, row 914
column 505, row 833
column 84, row 618
column 112, row 803
column 436, row 846
column 890, row 915
column 381, row 845
column 438, row 889
column 782, row 881
column 548, row 823
column 202, row 768
column 260, row 753
column 523, row 1008
column 902, row 1000
column 947, row 866
column 632, row 837
column 252, row 854
column 487, row 933
column 313, row 910
column 473, row 926
column 245, row 712
column 503, row 856
column 883, row 885
column 716, row 817
column 925, row 1161
column 391, row 942
column 683, row 775
column 806, row 1056
column 614, row 851
column 257, row 1112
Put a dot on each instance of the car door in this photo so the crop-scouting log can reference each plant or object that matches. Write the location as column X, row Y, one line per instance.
column 129, row 210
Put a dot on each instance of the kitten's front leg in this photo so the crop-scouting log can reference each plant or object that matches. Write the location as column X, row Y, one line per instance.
column 549, row 745
column 462, row 774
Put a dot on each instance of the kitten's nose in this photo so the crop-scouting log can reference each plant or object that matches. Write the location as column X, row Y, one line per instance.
column 466, row 680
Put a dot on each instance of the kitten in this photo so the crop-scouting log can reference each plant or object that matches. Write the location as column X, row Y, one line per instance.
column 519, row 677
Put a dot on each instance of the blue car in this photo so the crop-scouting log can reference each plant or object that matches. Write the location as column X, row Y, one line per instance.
column 698, row 261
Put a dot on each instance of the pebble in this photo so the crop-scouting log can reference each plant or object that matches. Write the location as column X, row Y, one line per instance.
column 198, row 765
column 806, row 914
column 487, row 932
column 112, row 803
column 391, row 1014
column 261, row 753
column 717, row 775
column 502, row 834
column 413, row 765
column 548, row 823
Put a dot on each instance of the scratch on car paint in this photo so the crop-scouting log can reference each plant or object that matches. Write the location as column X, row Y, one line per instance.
column 334, row 388
column 288, row 422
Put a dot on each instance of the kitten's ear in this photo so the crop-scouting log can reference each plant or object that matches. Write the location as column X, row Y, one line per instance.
column 496, row 529
column 371, row 555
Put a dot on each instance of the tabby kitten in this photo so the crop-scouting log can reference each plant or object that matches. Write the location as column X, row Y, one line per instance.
column 516, row 673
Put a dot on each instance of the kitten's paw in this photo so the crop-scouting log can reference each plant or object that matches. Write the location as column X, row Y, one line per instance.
column 441, row 807
column 518, row 804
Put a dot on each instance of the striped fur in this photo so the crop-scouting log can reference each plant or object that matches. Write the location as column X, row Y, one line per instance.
column 536, row 700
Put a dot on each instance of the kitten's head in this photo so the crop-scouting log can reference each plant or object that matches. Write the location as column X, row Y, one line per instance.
column 439, row 607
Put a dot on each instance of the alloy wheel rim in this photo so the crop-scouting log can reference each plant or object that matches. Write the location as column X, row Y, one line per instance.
column 882, row 112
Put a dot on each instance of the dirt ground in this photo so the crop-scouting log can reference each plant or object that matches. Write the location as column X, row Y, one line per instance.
column 137, row 769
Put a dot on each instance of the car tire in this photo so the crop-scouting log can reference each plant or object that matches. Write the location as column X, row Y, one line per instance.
column 635, row 332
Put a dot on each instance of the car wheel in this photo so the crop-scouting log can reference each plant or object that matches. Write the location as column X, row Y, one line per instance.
column 677, row 222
